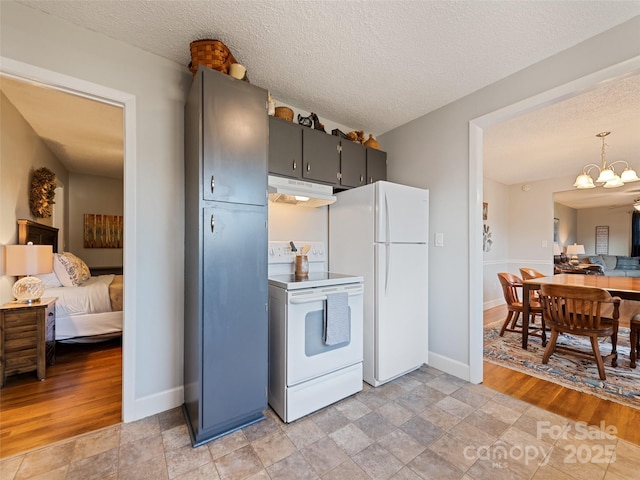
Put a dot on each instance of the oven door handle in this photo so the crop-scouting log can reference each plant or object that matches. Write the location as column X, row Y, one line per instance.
column 298, row 301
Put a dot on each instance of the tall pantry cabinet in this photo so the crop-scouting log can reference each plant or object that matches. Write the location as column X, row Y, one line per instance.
column 225, row 324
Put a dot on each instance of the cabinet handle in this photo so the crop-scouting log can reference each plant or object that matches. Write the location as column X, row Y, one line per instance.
column 308, row 167
column 370, row 179
column 213, row 222
column 361, row 179
column 213, row 183
column 295, row 165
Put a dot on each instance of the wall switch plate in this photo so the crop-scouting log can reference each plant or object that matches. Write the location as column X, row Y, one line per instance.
column 439, row 239
column 544, row 244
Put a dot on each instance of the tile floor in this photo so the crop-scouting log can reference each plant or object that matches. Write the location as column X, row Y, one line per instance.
column 424, row 425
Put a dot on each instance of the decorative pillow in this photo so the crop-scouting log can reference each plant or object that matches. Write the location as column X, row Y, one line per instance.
column 50, row 280
column 70, row 270
column 610, row 261
column 597, row 260
column 628, row 263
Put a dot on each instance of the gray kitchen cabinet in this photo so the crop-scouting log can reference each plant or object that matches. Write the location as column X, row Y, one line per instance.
column 376, row 165
column 285, row 148
column 320, row 156
column 225, row 278
column 353, row 164
column 235, row 126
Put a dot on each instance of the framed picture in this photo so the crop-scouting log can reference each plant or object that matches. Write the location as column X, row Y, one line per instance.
column 485, row 210
column 103, row 231
column 556, row 228
column 602, row 240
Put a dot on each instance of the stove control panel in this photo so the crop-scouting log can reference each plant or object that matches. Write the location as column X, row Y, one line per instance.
column 281, row 252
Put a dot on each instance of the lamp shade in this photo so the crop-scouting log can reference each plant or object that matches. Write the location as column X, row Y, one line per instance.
column 28, row 259
column 575, row 249
column 556, row 249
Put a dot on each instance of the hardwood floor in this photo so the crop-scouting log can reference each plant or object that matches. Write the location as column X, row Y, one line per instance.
column 82, row 393
column 569, row 403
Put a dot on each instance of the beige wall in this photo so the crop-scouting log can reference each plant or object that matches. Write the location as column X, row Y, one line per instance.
column 154, row 186
column 92, row 194
column 433, row 152
column 617, row 219
column 21, row 152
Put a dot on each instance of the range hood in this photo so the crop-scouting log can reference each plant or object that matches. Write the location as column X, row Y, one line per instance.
column 299, row 192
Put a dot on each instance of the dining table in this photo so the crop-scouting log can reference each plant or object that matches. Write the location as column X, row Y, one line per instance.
column 627, row 288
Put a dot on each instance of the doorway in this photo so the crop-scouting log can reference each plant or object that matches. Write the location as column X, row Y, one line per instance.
column 49, row 79
column 476, row 132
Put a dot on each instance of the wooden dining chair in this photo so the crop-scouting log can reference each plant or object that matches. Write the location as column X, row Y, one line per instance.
column 577, row 310
column 530, row 273
column 511, row 285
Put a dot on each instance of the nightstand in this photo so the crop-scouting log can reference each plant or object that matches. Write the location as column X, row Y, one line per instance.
column 27, row 338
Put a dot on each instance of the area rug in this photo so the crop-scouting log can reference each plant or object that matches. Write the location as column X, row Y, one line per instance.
column 622, row 384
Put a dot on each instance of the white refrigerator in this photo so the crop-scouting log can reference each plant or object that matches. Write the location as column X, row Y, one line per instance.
column 380, row 231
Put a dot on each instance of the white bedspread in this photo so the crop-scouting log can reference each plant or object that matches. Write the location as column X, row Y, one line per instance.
column 90, row 297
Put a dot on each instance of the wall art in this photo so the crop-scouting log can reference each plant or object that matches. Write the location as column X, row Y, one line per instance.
column 103, row 231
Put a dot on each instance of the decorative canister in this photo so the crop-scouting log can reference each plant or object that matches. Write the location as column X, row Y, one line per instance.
column 372, row 142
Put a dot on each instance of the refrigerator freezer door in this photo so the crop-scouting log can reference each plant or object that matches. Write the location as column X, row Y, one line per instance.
column 401, row 325
column 403, row 214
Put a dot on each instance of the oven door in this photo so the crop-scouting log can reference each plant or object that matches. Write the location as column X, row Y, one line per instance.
column 307, row 355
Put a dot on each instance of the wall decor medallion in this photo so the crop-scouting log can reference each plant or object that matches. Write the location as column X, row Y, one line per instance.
column 43, row 191
column 486, row 239
column 103, row 231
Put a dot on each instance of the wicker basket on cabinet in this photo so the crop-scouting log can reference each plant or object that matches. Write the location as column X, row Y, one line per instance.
column 210, row 53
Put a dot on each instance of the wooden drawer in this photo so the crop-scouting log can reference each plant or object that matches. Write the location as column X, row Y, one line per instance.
column 27, row 338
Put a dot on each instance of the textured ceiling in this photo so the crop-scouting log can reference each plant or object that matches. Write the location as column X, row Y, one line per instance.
column 375, row 65
column 372, row 65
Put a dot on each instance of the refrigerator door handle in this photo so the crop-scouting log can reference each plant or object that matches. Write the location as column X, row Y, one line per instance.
column 387, row 267
column 387, row 227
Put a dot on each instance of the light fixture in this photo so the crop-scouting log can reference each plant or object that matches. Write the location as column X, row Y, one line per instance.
column 607, row 175
column 575, row 250
column 28, row 260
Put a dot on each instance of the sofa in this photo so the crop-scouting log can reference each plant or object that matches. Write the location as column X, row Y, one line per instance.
column 614, row 265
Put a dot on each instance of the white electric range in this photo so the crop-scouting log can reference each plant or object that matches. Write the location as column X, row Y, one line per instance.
column 306, row 371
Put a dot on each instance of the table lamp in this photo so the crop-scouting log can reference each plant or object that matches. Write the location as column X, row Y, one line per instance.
column 28, row 260
column 556, row 249
column 575, row 250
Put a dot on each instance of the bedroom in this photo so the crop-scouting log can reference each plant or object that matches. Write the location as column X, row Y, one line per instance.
column 48, row 128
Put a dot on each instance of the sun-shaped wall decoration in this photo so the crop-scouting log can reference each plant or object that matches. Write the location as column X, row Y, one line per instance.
column 43, row 186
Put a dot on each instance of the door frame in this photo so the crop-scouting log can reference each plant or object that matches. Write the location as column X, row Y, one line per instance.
column 127, row 101
column 476, row 134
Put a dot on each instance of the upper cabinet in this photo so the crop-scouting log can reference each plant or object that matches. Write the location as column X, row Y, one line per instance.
column 320, row 156
column 301, row 152
column 235, row 130
column 376, row 165
column 285, row 148
column 353, row 164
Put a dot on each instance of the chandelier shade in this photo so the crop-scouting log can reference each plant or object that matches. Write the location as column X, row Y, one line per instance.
column 607, row 175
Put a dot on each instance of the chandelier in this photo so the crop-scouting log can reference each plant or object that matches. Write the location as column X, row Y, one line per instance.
column 607, row 175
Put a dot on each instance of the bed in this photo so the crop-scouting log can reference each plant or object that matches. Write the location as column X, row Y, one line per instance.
column 88, row 308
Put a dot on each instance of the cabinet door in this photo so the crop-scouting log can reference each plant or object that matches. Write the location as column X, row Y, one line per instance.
column 285, row 148
column 235, row 131
column 376, row 165
column 353, row 164
column 234, row 342
column 321, row 158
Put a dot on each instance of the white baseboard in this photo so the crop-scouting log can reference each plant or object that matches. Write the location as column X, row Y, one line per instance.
column 492, row 303
column 450, row 366
column 157, row 403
